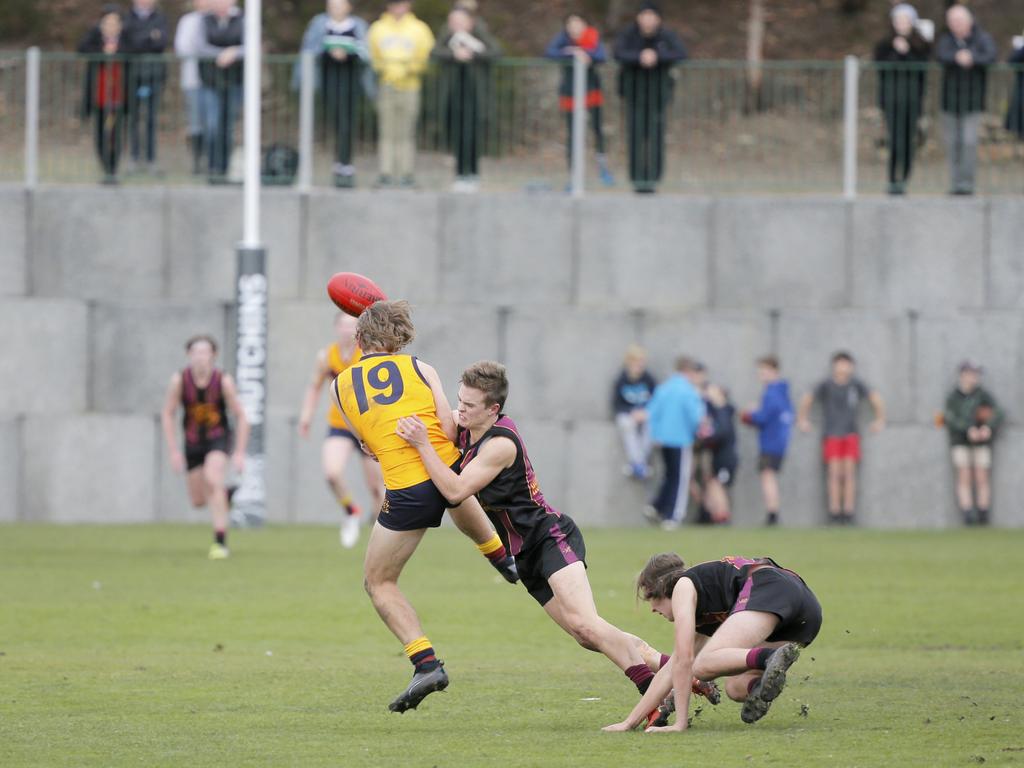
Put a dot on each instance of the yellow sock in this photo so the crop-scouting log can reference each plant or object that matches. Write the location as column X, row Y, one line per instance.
column 345, row 501
column 490, row 546
column 418, row 645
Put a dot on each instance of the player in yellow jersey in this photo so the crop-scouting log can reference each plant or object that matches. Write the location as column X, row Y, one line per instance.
column 373, row 395
column 340, row 443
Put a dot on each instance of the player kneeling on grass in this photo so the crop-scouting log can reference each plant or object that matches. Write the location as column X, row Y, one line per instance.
column 744, row 619
column 547, row 545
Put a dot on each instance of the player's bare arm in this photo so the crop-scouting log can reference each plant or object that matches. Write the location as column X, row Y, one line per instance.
column 321, row 373
column 495, row 455
column 441, row 404
column 878, row 404
column 684, row 607
column 241, row 422
column 803, row 413
column 171, row 402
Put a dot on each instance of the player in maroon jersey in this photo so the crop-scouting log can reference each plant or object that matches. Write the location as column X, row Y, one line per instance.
column 744, row 619
column 206, row 394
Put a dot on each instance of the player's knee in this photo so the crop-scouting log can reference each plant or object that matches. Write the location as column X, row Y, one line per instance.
column 736, row 688
column 702, row 670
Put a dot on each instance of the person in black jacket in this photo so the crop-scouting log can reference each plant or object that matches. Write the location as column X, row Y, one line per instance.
column 716, row 456
column 221, row 74
column 1015, row 112
column 632, row 390
column 106, row 75
column 464, row 51
column 965, row 50
column 647, row 52
column 901, row 80
column 145, row 33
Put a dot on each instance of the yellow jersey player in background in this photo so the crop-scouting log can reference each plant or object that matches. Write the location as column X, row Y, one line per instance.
column 373, row 395
column 340, row 443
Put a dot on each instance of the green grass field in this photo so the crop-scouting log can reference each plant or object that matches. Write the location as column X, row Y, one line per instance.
column 126, row 647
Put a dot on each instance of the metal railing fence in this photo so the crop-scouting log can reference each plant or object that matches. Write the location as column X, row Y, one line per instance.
column 726, row 128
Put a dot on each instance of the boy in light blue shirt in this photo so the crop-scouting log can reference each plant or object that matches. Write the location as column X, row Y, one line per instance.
column 674, row 414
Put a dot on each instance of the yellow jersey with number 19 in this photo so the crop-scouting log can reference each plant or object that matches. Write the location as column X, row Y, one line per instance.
column 374, row 393
column 337, row 364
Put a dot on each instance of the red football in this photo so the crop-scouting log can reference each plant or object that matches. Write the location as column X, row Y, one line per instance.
column 353, row 293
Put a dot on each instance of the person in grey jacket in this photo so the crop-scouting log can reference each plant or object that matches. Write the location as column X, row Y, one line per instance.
column 188, row 41
column 338, row 40
column 965, row 50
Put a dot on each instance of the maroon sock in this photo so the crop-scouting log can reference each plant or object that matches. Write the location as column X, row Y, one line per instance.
column 751, row 684
column 757, row 658
column 641, row 676
column 664, row 661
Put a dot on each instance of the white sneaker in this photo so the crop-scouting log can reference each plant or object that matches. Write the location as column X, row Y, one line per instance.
column 349, row 533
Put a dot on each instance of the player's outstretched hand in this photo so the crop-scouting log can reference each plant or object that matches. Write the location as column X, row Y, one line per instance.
column 412, row 430
column 674, row 728
column 617, row 727
column 238, row 461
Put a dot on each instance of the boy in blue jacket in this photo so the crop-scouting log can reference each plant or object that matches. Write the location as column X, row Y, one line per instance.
column 773, row 419
column 674, row 413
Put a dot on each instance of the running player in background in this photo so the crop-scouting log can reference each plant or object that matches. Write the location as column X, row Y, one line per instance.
column 745, row 619
column 206, row 394
column 548, row 547
column 340, row 443
column 372, row 396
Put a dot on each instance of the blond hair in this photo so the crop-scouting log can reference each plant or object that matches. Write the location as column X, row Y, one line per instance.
column 385, row 326
column 490, row 378
column 636, row 352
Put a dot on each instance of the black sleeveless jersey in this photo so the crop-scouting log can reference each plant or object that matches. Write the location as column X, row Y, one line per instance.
column 512, row 500
column 723, row 586
column 206, row 415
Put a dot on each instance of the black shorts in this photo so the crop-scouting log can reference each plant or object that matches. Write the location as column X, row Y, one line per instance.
column 773, row 590
column 563, row 545
column 416, row 507
column 195, row 454
column 772, row 461
column 342, row 432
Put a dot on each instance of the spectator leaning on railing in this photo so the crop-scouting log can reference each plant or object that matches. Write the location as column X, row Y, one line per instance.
column 220, row 71
column 145, row 32
column 902, row 55
column 647, row 52
column 338, row 40
column 188, row 43
column 106, row 77
column 965, row 50
column 400, row 47
column 465, row 51
column 579, row 40
column 1015, row 110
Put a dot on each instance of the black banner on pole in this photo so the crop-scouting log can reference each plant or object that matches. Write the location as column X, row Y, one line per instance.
column 250, row 500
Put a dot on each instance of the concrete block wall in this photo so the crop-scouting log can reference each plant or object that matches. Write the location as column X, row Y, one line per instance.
column 100, row 287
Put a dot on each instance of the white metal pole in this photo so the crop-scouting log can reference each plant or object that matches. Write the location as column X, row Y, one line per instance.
column 851, row 75
column 32, row 117
column 579, row 125
column 251, row 128
column 305, row 180
column 252, row 293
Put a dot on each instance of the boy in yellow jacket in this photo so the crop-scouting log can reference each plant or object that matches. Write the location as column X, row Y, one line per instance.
column 400, row 46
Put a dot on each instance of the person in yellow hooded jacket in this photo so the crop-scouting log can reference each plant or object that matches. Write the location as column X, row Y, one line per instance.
column 400, row 46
